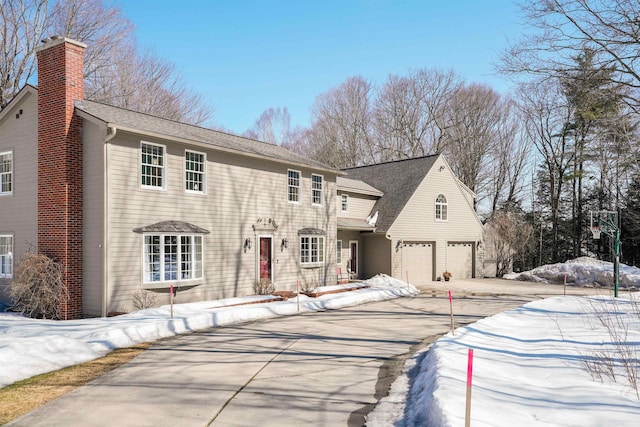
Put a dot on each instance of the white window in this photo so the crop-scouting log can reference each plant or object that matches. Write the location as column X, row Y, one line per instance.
column 194, row 171
column 316, row 189
column 311, row 249
column 344, row 202
column 339, row 252
column 294, row 186
column 152, row 162
column 6, row 173
column 171, row 257
column 441, row 208
column 6, row 256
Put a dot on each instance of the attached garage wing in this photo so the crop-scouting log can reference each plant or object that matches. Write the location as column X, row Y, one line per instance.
column 460, row 259
column 418, row 261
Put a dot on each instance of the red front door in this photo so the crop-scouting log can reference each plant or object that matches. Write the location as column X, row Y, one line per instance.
column 265, row 258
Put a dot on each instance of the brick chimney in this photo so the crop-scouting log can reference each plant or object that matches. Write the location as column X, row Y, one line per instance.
column 60, row 83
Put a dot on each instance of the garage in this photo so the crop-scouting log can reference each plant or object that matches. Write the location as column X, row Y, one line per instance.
column 417, row 262
column 460, row 259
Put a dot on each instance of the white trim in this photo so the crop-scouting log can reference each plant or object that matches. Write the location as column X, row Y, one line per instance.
column 312, row 263
column 299, row 186
column 203, row 190
column 195, row 266
column 321, row 190
column 346, row 202
column 266, row 236
column 163, row 167
column 442, row 205
column 11, row 174
column 10, row 255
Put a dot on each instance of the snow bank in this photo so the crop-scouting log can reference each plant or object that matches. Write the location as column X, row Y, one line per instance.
column 528, row 371
column 583, row 271
column 30, row 346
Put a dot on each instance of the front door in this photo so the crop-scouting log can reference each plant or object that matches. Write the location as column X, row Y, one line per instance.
column 353, row 258
column 265, row 257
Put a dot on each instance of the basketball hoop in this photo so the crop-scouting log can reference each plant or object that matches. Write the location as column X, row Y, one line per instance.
column 596, row 232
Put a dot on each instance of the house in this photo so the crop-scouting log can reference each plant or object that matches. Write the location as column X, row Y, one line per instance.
column 411, row 219
column 127, row 201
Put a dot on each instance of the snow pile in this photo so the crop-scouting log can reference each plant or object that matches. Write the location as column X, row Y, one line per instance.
column 528, row 370
column 30, row 346
column 583, row 271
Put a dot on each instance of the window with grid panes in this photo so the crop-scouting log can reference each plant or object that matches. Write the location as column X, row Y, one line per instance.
column 152, row 163
column 194, row 164
column 170, row 257
column 293, row 186
column 6, row 173
column 316, row 189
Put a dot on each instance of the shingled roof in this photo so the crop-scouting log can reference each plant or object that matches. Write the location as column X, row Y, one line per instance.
column 398, row 181
column 132, row 121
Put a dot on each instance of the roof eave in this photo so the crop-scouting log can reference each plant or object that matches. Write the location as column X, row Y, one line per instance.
column 159, row 135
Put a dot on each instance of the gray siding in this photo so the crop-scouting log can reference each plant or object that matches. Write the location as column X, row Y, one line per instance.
column 359, row 205
column 240, row 191
column 93, row 219
column 376, row 251
column 18, row 211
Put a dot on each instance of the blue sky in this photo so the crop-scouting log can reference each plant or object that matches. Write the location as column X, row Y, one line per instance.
column 245, row 56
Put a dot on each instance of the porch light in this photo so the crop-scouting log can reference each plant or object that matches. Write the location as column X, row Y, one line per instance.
column 247, row 244
column 284, row 245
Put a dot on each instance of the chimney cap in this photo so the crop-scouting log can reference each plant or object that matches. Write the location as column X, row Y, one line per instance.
column 56, row 40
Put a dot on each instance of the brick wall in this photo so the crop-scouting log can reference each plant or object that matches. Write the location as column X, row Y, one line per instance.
column 60, row 83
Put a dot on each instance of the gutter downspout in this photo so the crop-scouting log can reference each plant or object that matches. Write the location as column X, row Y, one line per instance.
column 388, row 237
column 111, row 133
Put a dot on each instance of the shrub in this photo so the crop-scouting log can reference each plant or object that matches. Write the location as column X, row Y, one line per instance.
column 143, row 299
column 619, row 359
column 264, row 287
column 37, row 288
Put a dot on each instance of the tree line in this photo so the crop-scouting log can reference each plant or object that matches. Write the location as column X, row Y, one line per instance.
column 540, row 159
column 563, row 143
column 117, row 69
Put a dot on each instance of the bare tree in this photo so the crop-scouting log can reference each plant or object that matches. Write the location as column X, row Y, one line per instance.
column 407, row 113
column 565, row 27
column 477, row 125
column 22, row 25
column 116, row 71
column 273, row 126
column 509, row 160
column 341, row 133
column 508, row 235
column 546, row 115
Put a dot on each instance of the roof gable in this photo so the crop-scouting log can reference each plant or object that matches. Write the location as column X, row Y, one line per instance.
column 132, row 121
column 16, row 100
column 398, row 180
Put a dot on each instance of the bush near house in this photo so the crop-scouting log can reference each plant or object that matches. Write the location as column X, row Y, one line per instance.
column 37, row 289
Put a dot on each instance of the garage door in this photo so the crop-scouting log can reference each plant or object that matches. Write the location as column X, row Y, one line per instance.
column 417, row 262
column 460, row 259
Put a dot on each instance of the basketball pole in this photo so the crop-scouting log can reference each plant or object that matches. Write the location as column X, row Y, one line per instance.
column 616, row 267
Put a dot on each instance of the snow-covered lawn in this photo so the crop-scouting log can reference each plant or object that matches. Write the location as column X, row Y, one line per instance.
column 529, row 364
column 29, row 347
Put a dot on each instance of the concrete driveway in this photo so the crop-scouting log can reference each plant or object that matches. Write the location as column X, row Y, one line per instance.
column 321, row 369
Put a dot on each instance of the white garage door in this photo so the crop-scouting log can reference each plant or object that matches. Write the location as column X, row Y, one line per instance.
column 460, row 260
column 417, row 262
